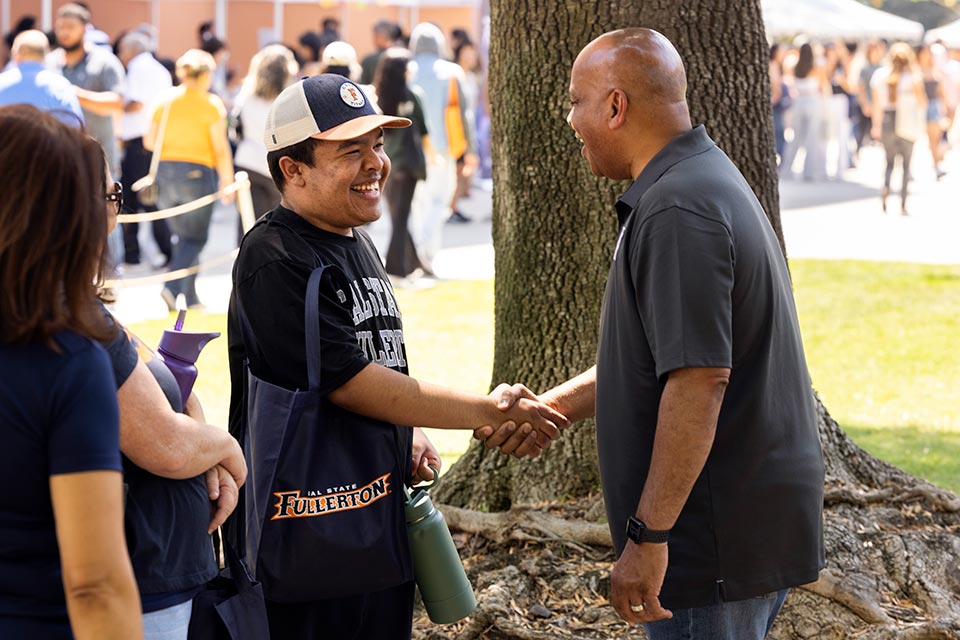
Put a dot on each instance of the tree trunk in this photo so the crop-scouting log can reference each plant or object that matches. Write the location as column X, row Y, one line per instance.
column 554, row 222
column 893, row 553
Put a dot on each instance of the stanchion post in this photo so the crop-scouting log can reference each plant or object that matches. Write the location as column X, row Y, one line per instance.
column 244, row 201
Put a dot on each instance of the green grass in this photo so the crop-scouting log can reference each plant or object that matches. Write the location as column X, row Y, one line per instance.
column 883, row 347
column 882, row 343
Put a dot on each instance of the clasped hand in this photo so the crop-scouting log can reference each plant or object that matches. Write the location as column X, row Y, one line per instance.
column 529, row 426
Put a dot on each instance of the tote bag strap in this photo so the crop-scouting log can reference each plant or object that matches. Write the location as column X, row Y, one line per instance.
column 311, row 321
column 311, row 327
column 158, row 145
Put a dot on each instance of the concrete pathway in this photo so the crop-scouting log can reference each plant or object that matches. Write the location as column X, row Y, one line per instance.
column 833, row 220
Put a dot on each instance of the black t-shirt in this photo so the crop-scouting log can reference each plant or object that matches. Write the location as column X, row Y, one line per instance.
column 405, row 146
column 58, row 414
column 166, row 520
column 359, row 317
column 698, row 280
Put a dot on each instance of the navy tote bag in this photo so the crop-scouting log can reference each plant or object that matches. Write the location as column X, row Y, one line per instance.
column 324, row 510
column 231, row 606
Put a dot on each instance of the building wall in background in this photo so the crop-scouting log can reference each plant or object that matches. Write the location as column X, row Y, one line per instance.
column 247, row 19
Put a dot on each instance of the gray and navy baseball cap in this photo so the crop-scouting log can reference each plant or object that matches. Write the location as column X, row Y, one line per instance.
column 325, row 107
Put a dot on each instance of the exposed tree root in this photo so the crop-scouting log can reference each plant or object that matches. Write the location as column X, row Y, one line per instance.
column 505, row 525
column 852, row 591
column 893, row 575
column 934, row 498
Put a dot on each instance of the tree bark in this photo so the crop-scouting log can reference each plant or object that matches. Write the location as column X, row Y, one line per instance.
column 893, row 552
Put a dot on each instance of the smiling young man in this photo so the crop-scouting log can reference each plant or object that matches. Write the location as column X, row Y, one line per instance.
column 325, row 153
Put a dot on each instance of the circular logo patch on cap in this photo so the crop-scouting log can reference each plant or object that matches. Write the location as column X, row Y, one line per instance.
column 351, row 95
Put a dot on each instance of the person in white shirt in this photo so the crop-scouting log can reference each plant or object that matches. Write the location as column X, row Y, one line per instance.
column 147, row 80
column 272, row 69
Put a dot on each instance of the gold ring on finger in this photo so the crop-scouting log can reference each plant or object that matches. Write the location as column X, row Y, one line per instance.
column 636, row 608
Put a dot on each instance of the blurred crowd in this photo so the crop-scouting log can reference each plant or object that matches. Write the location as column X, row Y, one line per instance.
column 175, row 130
column 831, row 100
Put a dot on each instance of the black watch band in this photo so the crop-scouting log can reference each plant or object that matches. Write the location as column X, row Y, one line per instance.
column 638, row 532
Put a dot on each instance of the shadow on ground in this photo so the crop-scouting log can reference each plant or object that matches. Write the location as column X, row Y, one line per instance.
column 797, row 194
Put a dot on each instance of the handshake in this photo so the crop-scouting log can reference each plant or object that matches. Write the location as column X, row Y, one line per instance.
column 529, row 425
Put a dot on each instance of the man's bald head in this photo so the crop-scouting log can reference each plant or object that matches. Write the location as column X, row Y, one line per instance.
column 640, row 62
column 628, row 99
column 30, row 45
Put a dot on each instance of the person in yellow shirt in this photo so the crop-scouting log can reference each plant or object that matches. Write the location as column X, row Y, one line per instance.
column 190, row 130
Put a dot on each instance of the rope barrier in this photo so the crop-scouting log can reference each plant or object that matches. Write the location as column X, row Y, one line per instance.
column 240, row 186
column 172, row 275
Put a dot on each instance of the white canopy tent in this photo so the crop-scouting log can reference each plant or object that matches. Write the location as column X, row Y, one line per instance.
column 828, row 19
column 950, row 34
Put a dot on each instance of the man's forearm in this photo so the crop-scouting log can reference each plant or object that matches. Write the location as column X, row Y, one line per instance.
column 686, row 425
column 576, row 398
column 102, row 103
column 383, row 394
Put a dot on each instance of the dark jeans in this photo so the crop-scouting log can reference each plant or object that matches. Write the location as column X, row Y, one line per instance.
column 749, row 619
column 135, row 165
column 894, row 146
column 779, row 141
column 264, row 193
column 384, row 615
column 182, row 182
column 402, row 257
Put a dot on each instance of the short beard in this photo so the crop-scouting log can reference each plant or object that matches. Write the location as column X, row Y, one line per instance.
column 75, row 47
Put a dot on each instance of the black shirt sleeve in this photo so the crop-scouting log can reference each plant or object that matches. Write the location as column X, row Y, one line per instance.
column 273, row 300
column 682, row 265
column 123, row 355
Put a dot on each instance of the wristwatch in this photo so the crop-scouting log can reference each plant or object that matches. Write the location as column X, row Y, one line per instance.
column 638, row 532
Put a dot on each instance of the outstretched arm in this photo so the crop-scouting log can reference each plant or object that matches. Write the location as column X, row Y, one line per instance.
column 384, row 394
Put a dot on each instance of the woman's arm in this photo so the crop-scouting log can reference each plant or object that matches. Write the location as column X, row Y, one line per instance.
column 102, row 598
column 167, row 443
column 221, row 153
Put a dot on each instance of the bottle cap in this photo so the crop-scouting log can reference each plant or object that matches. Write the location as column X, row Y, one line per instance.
column 185, row 345
column 419, row 506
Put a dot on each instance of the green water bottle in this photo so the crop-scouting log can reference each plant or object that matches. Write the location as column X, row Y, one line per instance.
column 443, row 583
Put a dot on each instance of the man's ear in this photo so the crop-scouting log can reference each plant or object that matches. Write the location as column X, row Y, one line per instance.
column 618, row 109
column 291, row 170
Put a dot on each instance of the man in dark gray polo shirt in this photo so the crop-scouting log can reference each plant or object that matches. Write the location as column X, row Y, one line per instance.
column 706, row 427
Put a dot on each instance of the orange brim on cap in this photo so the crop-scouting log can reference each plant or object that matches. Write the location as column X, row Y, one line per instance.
column 361, row 126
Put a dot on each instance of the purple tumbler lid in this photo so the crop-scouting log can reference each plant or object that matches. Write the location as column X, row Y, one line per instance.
column 185, row 345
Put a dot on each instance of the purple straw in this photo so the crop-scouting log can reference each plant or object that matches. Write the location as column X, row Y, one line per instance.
column 181, row 316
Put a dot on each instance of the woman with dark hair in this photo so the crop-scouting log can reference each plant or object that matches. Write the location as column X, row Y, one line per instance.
column 61, row 575
column 406, row 149
column 808, row 112
column 309, row 47
column 271, row 70
column 899, row 106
